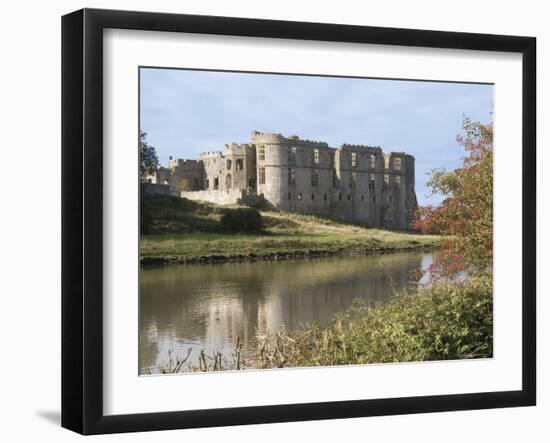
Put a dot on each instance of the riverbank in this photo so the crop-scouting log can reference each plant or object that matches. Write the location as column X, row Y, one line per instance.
column 204, row 248
column 277, row 256
column 190, row 232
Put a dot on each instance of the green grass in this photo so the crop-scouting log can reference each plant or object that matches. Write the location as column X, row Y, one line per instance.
column 192, row 229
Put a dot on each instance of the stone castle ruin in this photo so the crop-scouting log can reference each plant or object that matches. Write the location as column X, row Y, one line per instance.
column 355, row 183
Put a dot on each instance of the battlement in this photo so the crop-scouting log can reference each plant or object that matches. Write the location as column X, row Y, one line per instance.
column 210, row 154
column 362, row 148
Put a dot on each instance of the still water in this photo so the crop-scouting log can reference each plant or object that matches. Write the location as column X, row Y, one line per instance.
column 209, row 306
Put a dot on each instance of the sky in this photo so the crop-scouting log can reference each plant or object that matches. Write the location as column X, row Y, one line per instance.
column 186, row 112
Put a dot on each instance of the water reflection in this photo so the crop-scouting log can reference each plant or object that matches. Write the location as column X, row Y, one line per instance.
column 208, row 306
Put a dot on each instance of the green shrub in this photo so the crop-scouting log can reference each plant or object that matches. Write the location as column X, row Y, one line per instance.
column 242, row 220
column 445, row 321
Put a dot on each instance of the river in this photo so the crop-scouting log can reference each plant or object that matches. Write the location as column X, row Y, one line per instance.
column 209, row 306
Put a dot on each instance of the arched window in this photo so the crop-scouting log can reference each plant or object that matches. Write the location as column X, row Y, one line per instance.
column 228, row 181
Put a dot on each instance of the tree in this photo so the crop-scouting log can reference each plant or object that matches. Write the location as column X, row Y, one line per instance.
column 148, row 160
column 466, row 214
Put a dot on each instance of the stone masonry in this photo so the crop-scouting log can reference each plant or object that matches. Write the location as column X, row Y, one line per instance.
column 355, row 183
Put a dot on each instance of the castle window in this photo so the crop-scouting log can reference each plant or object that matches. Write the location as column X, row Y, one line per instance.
column 228, row 181
column 315, row 156
column 386, row 179
column 352, row 180
column 325, row 197
column 397, row 179
column 228, row 162
column 349, row 197
column 313, row 196
column 353, row 159
column 362, row 198
column 239, row 166
column 292, row 155
column 340, row 196
column 372, row 183
column 314, row 177
column 374, row 198
column 390, row 199
column 289, row 196
column 261, row 175
column 300, row 196
column 261, row 153
column 397, row 164
column 207, row 184
column 216, row 183
column 373, row 161
column 291, row 176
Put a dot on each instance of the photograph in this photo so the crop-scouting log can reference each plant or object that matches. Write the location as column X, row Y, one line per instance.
column 293, row 220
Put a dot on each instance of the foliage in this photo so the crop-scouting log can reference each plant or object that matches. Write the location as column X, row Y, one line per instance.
column 148, row 160
column 242, row 220
column 445, row 321
column 466, row 215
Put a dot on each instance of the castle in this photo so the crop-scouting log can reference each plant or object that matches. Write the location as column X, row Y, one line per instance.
column 353, row 182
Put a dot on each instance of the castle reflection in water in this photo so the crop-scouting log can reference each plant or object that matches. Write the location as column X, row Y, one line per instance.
column 209, row 306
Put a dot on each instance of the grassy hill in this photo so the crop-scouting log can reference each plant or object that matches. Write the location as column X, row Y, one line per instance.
column 181, row 230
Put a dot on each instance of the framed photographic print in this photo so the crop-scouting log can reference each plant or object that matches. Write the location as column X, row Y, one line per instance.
column 269, row 221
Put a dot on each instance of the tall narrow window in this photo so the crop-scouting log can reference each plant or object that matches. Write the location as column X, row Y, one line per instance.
column 216, row 183
column 291, row 176
column 239, row 165
column 397, row 164
column 372, row 182
column 315, row 177
column 373, row 161
column 261, row 175
column 353, row 159
column 397, row 179
column 315, row 156
column 386, row 179
column 292, row 155
column 352, row 180
column 228, row 163
column 261, row 153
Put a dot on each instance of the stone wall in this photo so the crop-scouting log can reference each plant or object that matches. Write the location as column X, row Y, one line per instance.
column 225, row 197
column 156, row 189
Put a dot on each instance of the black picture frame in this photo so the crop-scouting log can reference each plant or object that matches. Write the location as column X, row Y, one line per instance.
column 82, row 215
